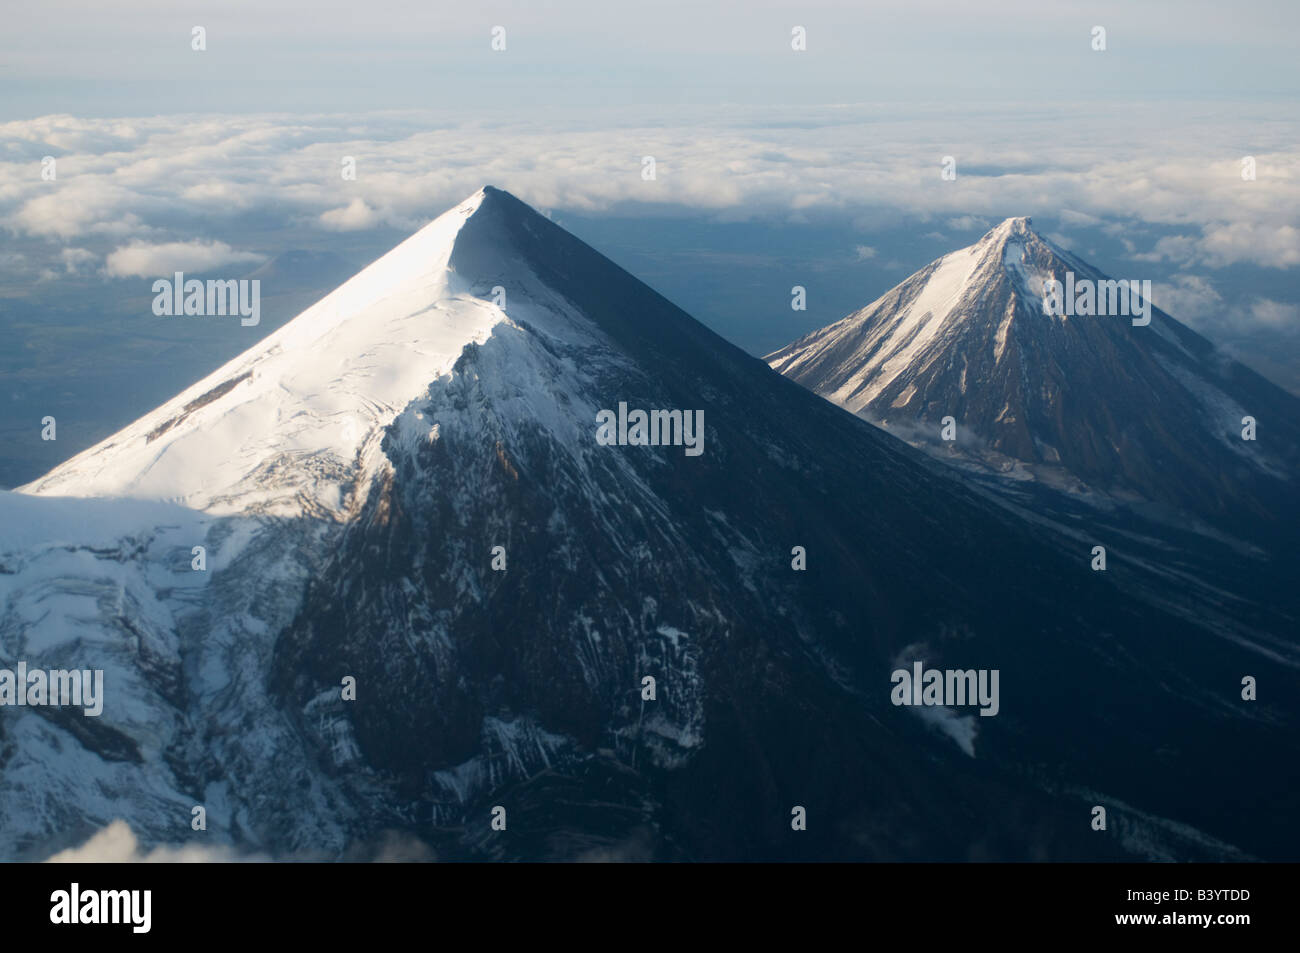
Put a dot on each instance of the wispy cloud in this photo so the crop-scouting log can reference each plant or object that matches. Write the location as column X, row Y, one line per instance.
column 144, row 260
column 1195, row 300
column 353, row 216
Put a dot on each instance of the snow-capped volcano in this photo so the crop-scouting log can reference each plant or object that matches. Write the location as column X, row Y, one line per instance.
column 1147, row 410
column 499, row 584
column 291, row 426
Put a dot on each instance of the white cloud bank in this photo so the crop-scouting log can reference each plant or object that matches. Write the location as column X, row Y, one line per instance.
column 144, row 260
column 182, row 182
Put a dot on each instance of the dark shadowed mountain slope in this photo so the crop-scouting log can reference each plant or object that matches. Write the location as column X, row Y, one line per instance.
column 353, row 531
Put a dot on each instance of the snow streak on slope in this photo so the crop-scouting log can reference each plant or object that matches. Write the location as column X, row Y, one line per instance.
column 292, row 426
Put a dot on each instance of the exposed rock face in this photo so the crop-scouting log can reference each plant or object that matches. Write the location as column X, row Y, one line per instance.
column 351, row 533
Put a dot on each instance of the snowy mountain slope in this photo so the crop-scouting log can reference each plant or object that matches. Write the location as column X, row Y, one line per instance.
column 287, row 427
column 1140, row 412
column 109, row 585
column 77, row 584
column 523, row 687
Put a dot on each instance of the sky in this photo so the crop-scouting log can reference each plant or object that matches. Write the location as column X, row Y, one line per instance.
column 134, row 57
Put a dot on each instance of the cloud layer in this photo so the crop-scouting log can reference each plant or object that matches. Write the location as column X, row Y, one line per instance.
column 145, row 191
